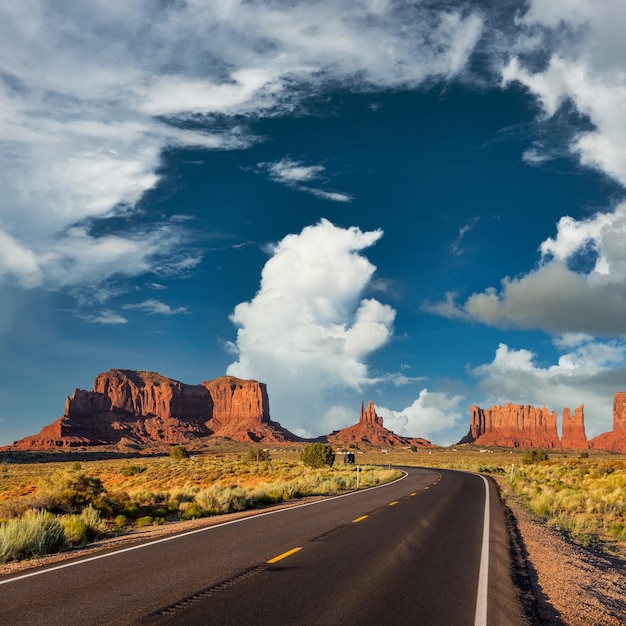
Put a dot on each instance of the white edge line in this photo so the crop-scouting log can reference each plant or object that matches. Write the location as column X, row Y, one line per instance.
column 480, row 618
column 191, row 532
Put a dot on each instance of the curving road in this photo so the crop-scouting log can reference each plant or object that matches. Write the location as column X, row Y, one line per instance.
column 422, row 550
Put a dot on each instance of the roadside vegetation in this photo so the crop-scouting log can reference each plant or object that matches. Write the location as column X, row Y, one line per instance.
column 47, row 507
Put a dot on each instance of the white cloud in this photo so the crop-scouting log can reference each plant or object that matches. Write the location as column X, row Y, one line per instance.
column 466, row 228
column 289, row 171
column 89, row 91
column 430, row 415
column 308, row 331
column 294, row 173
column 590, row 373
column 579, row 286
column 586, row 47
column 156, row 307
column 106, row 317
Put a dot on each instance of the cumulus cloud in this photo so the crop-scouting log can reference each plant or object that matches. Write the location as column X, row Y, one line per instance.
column 309, row 330
column 430, row 415
column 92, row 93
column 156, row 307
column 579, row 285
column 588, row 373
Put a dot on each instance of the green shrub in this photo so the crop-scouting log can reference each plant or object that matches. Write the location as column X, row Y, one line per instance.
column 583, row 455
column 132, row 470
column 34, row 534
column 84, row 527
column 144, row 521
column 534, row 456
column 120, row 522
column 257, row 455
column 68, row 492
column 317, row 455
column 179, row 452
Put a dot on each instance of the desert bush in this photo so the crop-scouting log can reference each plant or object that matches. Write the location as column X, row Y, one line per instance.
column 120, row 522
column 216, row 500
column 179, row 452
column 257, row 455
column 132, row 470
column 83, row 527
column 317, row 455
column 34, row 534
column 534, row 456
column 69, row 492
column 146, row 520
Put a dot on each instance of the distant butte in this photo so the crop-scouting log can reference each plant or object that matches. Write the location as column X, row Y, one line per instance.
column 136, row 407
column 370, row 430
column 524, row 426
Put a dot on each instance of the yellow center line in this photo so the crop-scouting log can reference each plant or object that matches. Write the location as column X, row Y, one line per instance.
column 392, row 503
column 426, row 487
column 359, row 519
column 414, row 493
column 284, row 555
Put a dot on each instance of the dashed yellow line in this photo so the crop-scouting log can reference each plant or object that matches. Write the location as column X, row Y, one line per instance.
column 414, row 493
column 284, row 555
column 359, row 519
column 393, row 503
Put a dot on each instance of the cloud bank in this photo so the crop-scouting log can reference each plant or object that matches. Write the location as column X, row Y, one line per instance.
column 92, row 93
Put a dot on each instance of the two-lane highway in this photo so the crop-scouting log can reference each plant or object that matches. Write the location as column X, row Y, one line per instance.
column 410, row 552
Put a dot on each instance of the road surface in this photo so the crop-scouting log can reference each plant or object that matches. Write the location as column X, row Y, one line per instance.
column 423, row 550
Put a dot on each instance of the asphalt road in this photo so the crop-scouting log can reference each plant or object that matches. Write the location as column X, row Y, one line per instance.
column 411, row 552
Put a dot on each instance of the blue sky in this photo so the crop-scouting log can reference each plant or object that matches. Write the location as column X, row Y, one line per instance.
column 421, row 204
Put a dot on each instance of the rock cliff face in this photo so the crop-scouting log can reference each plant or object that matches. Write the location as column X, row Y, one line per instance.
column 370, row 429
column 614, row 441
column 514, row 426
column 145, row 407
column 573, row 429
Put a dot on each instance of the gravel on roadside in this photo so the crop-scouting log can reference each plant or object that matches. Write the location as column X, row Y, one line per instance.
column 571, row 585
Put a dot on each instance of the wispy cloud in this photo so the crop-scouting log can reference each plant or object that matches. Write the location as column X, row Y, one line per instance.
column 156, row 307
column 295, row 173
column 456, row 245
column 106, row 316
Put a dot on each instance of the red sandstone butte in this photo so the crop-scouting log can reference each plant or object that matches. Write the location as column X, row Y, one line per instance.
column 370, row 429
column 614, row 441
column 573, row 435
column 513, row 426
column 144, row 407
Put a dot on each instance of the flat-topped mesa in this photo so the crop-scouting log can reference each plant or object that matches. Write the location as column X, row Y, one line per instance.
column 573, row 435
column 513, row 426
column 370, row 430
column 614, row 441
column 145, row 407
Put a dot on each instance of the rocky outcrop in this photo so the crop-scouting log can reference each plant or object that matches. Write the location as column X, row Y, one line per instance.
column 573, row 435
column 145, row 407
column 370, row 430
column 514, row 426
column 614, row 441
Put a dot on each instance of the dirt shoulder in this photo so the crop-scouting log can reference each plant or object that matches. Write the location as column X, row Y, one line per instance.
column 570, row 584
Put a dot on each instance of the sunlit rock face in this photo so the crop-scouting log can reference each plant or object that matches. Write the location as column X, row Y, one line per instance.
column 146, row 407
column 514, row 426
column 614, row 441
column 573, row 429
